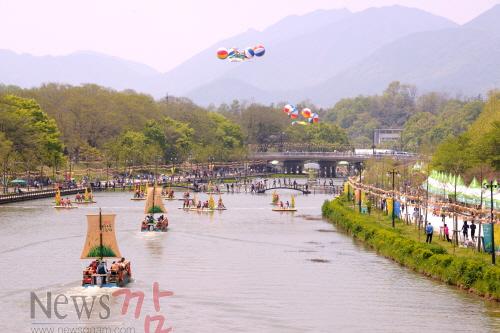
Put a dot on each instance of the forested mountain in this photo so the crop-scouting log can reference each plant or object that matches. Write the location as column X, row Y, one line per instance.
column 301, row 51
column 204, row 68
column 463, row 60
column 310, row 58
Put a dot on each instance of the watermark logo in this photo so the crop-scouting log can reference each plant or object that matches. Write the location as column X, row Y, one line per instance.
column 55, row 307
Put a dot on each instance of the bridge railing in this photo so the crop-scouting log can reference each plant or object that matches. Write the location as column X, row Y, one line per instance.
column 15, row 197
column 348, row 154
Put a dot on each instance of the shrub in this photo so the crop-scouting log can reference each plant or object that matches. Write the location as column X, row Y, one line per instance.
column 430, row 259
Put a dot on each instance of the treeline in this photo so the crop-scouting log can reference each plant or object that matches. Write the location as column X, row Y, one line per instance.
column 92, row 123
column 476, row 150
column 426, row 120
column 263, row 125
column 29, row 138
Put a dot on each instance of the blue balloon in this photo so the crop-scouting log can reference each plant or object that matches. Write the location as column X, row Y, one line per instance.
column 249, row 53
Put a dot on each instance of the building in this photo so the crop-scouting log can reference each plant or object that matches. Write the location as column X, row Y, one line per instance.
column 381, row 136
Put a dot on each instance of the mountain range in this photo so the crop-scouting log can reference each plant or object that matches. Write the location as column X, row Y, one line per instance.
column 321, row 56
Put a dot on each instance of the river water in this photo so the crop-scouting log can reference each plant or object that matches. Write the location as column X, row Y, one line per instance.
column 246, row 269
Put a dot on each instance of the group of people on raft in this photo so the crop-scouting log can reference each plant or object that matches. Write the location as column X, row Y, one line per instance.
column 169, row 194
column 99, row 268
column 81, row 198
column 285, row 205
column 160, row 224
column 190, row 203
column 65, row 202
column 139, row 194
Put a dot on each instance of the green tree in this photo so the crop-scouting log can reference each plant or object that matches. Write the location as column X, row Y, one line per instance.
column 34, row 135
column 318, row 134
column 174, row 138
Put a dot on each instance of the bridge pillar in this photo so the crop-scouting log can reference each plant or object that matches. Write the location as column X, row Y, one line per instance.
column 358, row 166
column 292, row 166
column 328, row 169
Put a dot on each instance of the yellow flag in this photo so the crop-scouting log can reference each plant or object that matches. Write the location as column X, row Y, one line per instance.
column 389, row 206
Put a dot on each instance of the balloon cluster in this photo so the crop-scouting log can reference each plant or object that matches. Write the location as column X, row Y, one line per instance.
column 294, row 114
column 234, row 54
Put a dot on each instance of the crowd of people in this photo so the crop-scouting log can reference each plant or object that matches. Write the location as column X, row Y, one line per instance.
column 465, row 230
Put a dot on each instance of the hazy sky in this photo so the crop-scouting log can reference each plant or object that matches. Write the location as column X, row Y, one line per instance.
column 163, row 33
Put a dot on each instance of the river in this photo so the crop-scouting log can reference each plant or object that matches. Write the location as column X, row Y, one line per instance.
column 246, row 269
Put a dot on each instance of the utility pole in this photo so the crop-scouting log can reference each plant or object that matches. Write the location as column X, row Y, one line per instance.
column 455, row 217
column 360, row 190
column 480, row 209
column 426, row 195
column 393, row 172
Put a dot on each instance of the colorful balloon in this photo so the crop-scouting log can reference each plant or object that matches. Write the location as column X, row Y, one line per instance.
column 239, row 55
column 294, row 114
column 259, row 50
column 249, row 53
column 315, row 118
column 288, row 108
column 306, row 113
column 222, row 53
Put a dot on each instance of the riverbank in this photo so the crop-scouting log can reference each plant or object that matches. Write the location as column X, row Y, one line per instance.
column 465, row 269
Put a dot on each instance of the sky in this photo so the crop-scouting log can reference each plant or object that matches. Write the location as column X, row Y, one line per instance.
column 164, row 33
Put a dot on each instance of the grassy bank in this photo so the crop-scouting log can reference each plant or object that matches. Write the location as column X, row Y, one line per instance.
column 464, row 269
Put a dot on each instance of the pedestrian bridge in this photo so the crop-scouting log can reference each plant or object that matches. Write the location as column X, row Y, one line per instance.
column 299, row 188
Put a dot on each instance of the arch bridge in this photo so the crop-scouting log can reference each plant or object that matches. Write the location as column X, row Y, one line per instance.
column 299, row 188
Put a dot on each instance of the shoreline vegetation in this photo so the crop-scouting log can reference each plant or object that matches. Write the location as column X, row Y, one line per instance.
column 466, row 270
